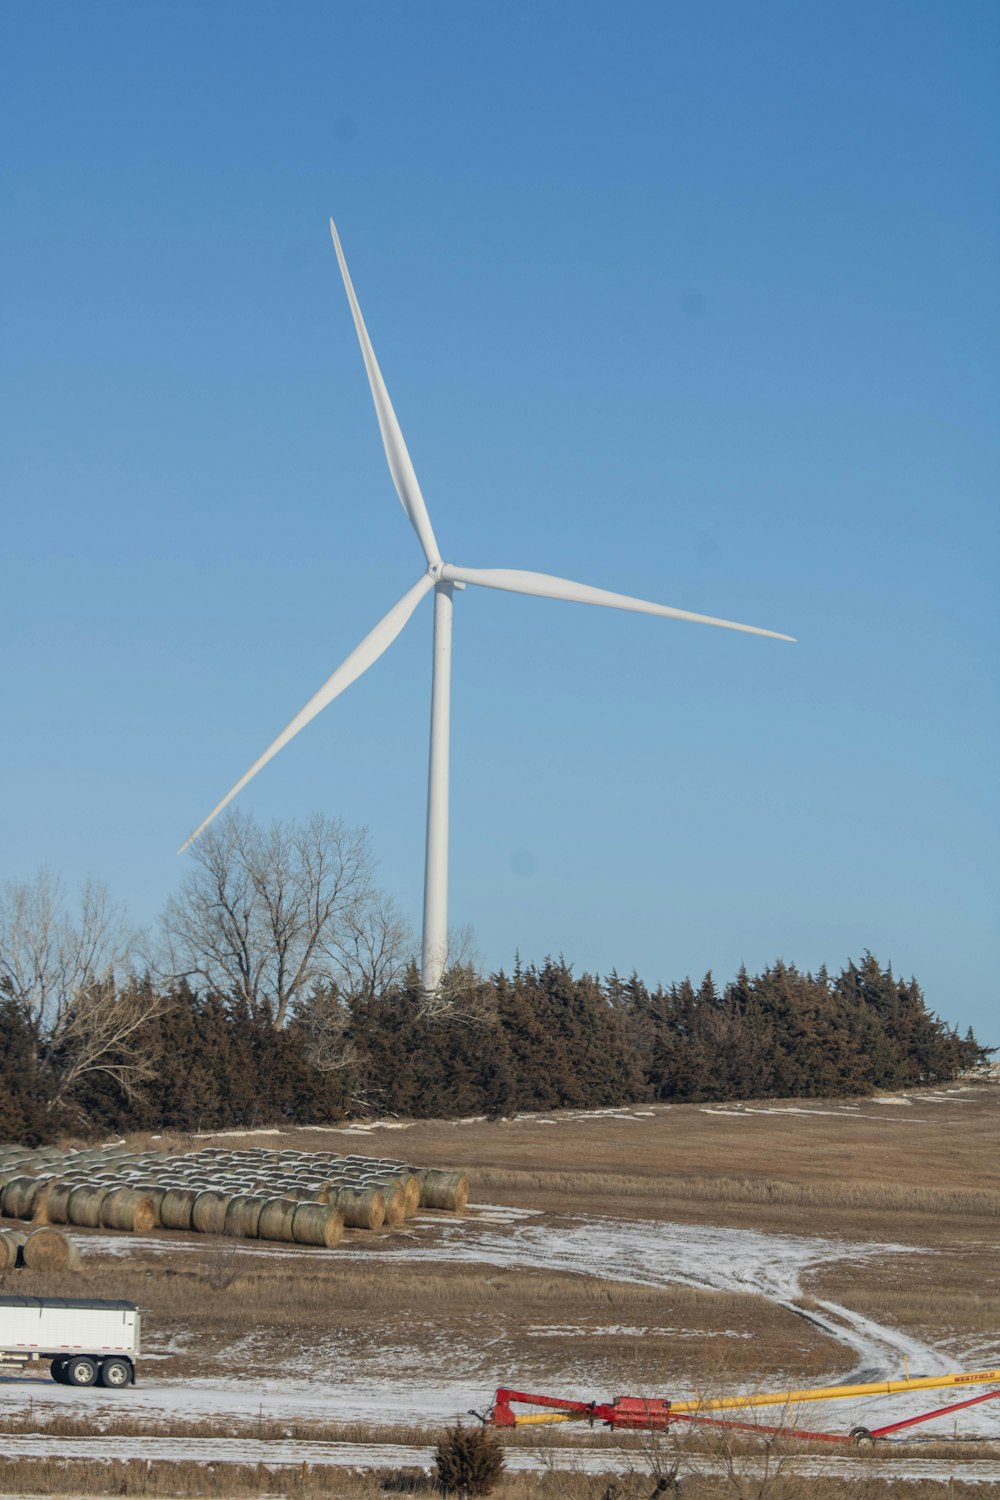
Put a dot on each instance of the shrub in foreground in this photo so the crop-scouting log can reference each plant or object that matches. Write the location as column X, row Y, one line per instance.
column 469, row 1460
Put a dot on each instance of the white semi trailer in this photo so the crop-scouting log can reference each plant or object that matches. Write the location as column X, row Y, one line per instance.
column 87, row 1342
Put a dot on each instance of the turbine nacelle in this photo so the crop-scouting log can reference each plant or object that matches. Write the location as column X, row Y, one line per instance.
column 380, row 638
column 441, row 572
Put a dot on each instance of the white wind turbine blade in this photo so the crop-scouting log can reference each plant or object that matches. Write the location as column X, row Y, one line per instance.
column 360, row 659
column 400, row 466
column 546, row 587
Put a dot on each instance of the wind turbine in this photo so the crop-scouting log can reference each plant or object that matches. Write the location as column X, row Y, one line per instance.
column 443, row 578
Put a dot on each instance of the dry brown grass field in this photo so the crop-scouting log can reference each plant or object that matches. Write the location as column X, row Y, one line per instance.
column 920, row 1174
column 231, row 1483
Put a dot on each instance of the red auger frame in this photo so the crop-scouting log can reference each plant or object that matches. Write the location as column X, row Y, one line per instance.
column 623, row 1411
column 648, row 1413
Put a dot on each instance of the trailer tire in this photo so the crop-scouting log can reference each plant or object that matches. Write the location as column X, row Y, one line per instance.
column 116, row 1373
column 862, row 1437
column 58, row 1369
column 81, row 1370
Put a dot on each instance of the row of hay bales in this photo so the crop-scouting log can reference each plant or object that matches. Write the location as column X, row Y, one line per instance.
column 94, row 1205
column 298, row 1197
column 41, row 1249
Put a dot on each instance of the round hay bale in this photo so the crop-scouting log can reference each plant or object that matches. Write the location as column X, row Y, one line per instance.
column 175, row 1207
column 11, row 1245
column 382, row 1174
column 395, row 1203
column 275, row 1222
column 96, row 1158
column 40, row 1209
column 447, row 1190
column 317, row 1224
column 84, row 1206
column 57, row 1201
column 208, row 1213
column 128, row 1208
column 48, row 1249
column 412, row 1185
column 18, row 1197
column 362, row 1208
column 153, row 1191
column 243, row 1216
column 24, row 1163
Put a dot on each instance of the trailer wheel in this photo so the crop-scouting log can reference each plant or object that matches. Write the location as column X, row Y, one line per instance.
column 862, row 1437
column 81, row 1371
column 116, row 1373
column 58, row 1369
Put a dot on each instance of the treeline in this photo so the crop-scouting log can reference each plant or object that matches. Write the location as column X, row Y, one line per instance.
column 541, row 1038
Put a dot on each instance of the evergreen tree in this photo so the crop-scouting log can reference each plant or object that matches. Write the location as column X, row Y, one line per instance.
column 25, row 1085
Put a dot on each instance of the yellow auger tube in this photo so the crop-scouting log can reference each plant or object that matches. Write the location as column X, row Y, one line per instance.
column 547, row 1418
column 837, row 1392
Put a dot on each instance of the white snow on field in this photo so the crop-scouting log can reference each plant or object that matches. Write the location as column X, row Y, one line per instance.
column 324, row 1382
column 394, row 1456
column 333, row 1394
column 850, row 1111
column 618, row 1330
column 499, row 1213
column 701, row 1256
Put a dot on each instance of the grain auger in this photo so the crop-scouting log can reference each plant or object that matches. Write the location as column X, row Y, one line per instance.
column 646, row 1413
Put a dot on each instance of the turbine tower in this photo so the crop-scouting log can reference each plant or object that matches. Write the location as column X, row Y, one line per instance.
column 443, row 578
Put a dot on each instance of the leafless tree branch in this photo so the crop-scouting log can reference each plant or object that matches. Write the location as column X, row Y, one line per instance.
column 275, row 915
column 72, row 976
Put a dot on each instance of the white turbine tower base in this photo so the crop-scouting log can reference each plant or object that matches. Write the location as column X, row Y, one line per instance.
column 434, row 952
column 443, row 578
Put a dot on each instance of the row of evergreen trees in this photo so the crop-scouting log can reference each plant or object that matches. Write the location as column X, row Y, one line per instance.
column 539, row 1039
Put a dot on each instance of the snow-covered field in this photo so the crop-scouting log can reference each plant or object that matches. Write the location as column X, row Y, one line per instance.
column 327, row 1385
column 422, row 1374
column 368, row 1456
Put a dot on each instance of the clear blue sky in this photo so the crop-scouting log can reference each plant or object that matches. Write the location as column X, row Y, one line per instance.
column 694, row 302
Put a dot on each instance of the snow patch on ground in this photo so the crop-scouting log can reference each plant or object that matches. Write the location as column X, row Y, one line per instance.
column 427, row 1383
column 569, row 1330
column 850, row 1111
column 500, row 1213
column 588, row 1460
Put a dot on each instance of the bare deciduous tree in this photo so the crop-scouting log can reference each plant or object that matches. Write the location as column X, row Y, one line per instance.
column 72, row 977
column 375, row 946
column 462, row 993
column 325, row 1019
column 271, row 914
